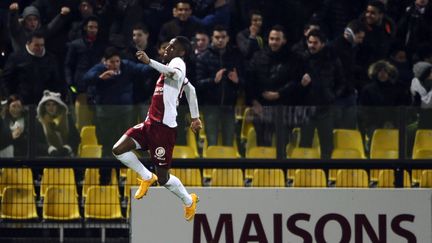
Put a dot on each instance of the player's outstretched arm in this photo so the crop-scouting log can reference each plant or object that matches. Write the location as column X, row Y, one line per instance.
column 164, row 69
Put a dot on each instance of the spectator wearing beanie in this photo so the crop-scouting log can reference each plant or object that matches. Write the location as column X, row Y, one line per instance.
column 21, row 31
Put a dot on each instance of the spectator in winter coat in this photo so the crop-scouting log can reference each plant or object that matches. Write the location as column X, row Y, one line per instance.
column 219, row 78
column 82, row 54
column 273, row 79
column 30, row 71
column 250, row 39
column 323, row 83
column 110, row 89
column 185, row 24
column 381, row 97
column 345, row 47
column 59, row 130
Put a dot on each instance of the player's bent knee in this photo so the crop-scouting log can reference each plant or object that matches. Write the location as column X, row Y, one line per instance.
column 163, row 179
column 116, row 151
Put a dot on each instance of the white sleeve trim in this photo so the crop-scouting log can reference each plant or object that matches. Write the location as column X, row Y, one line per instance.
column 192, row 99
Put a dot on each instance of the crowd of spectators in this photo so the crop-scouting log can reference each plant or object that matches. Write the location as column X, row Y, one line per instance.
column 336, row 54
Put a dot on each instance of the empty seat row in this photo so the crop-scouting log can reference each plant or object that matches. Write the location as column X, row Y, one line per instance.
column 61, row 203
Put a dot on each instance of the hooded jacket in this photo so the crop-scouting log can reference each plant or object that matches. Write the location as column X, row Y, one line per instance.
column 59, row 128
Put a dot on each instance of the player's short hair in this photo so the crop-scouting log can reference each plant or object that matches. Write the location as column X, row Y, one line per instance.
column 185, row 44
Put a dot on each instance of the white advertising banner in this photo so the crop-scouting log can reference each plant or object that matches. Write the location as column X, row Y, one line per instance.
column 240, row 215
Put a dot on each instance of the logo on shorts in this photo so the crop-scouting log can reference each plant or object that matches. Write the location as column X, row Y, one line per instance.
column 159, row 153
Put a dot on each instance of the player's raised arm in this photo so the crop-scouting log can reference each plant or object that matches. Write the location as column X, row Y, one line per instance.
column 191, row 97
column 164, row 69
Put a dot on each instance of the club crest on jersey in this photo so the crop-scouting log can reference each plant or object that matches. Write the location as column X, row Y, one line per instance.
column 159, row 153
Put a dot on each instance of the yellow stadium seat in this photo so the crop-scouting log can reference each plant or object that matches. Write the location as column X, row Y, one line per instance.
column 302, row 153
column 385, row 154
column 91, row 151
column 424, row 153
column 191, row 142
column 343, row 154
column 219, row 152
column 222, row 152
column 348, row 139
column 423, row 140
column 60, row 203
column 309, row 178
column 189, row 177
column 227, row 177
column 91, row 178
column 60, row 177
column 294, row 142
column 259, row 152
column 247, row 123
column 386, row 179
column 422, row 149
column 251, row 140
column 102, row 202
column 305, row 153
column 268, row 178
column 18, row 203
column 19, row 177
column 352, row 178
column 384, row 140
column 426, row 179
column 184, row 152
column 384, row 145
column 88, row 135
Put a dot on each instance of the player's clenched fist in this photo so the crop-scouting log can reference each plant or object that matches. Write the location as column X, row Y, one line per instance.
column 142, row 56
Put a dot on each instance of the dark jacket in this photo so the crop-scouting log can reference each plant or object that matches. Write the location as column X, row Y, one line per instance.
column 274, row 71
column 81, row 56
column 248, row 46
column 117, row 90
column 188, row 28
column 377, row 41
column 380, row 94
column 414, row 29
column 28, row 76
column 207, row 65
column 347, row 55
column 328, row 81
